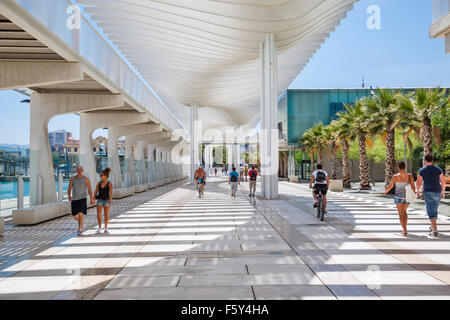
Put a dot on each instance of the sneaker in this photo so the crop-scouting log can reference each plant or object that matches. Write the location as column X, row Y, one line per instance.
column 99, row 229
column 434, row 234
column 250, row 195
column 106, row 230
column 80, row 232
column 316, row 205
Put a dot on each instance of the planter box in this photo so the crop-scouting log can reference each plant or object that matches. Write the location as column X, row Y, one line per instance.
column 293, row 179
column 336, row 186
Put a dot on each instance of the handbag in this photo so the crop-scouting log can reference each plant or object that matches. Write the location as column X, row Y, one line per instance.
column 410, row 194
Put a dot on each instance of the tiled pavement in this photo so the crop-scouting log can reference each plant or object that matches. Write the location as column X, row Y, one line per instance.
column 168, row 244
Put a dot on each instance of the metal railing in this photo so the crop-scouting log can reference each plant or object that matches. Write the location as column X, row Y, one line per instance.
column 440, row 9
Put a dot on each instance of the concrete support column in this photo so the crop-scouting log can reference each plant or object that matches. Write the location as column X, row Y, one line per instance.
column 237, row 155
column 130, row 162
column 268, row 135
column 140, row 162
column 44, row 107
column 291, row 163
column 151, row 165
column 87, row 157
column 158, row 165
column 194, row 141
column 230, row 157
column 113, row 158
column 207, row 160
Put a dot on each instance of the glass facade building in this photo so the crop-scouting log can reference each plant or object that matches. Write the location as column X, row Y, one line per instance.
column 301, row 109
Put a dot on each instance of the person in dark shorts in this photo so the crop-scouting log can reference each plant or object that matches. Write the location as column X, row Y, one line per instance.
column 78, row 197
column 103, row 194
column 433, row 190
column 321, row 183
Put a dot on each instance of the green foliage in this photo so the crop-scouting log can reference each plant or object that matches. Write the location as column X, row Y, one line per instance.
column 417, row 160
column 442, row 152
column 55, row 159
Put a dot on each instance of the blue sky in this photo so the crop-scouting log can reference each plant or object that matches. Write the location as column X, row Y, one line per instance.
column 399, row 55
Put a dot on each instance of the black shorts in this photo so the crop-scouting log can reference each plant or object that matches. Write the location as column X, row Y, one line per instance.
column 79, row 206
column 323, row 188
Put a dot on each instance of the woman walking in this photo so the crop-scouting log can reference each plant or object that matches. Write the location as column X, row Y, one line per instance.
column 103, row 194
column 401, row 180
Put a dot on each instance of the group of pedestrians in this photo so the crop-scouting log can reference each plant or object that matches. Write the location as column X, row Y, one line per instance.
column 80, row 187
column 434, row 184
column 236, row 178
column 431, row 176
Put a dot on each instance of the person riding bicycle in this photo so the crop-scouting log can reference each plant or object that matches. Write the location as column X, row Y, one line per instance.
column 321, row 184
column 200, row 177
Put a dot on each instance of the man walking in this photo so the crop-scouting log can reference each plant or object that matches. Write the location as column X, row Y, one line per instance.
column 78, row 197
column 253, row 174
column 433, row 190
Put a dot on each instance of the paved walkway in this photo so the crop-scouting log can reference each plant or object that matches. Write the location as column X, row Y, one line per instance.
column 168, row 244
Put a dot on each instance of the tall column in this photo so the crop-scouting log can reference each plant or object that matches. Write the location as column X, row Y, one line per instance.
column 268, row 135
column 291, row 163
column 151, row 165
column 113, row 158
column 230, row 157
column 211, row 159
column 207, row 160
column 194, row 140
column 237, row 155
column 140, row 162
column 129, row 158
column 87, row 157
column 158, row 165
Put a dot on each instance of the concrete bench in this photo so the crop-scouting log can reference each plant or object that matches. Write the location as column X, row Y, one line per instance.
column 2, row 226
column 37, row 214
column 140, row 188
column 121, row 193
column 336, row 186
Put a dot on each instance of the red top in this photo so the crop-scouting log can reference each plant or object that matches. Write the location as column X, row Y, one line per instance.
column 250, row 173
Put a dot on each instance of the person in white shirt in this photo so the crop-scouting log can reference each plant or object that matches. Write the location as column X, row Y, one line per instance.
column 321, row 183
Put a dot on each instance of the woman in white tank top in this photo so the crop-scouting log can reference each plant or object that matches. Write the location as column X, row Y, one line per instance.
column 401, row 180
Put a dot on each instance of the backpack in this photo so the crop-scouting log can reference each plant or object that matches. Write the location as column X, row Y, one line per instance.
column 253, row 175
column 320, row 177
column 233, row 177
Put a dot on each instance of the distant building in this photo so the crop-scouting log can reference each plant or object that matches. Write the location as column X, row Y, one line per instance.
column 99, row 146
column 58, row 139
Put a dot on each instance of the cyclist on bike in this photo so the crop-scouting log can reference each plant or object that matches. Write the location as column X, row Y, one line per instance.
column 321, row 183
column 200, row 177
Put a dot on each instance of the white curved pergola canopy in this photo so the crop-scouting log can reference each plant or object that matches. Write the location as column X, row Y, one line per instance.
column 207, row 51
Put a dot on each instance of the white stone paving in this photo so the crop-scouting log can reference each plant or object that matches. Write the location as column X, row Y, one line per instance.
column 168, row 244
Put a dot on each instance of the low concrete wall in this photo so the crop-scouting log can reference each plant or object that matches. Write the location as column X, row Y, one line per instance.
column 38, row 214
column 122, row 193
column 336, row 186
column 140, row 188
column 2, row 226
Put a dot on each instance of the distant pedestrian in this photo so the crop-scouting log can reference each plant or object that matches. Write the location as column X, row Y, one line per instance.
column 253, row 175
column 401, row 181
column 246, row 173
column 234, row 182
column 215, row 171
column 433, row 190
column 78, row 197
column 241, row 173
column 103, row 194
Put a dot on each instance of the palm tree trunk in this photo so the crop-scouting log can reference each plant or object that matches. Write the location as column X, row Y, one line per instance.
column 312, row 162
column 363, row 164
column 345, row 166
column 320, row 155
column 333, row 161
column 427, row 138
column 389, row 169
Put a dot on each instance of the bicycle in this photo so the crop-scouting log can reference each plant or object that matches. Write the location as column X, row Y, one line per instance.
column 320, row 208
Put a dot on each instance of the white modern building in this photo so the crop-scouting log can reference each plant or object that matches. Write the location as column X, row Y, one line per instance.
column 441, row 22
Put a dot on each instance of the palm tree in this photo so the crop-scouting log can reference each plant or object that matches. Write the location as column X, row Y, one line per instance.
column 383, row 116
column 330, row 138
column 360, row 132
column 343, row 126
column 308, row 144
column 319, row 134
column 421, row 107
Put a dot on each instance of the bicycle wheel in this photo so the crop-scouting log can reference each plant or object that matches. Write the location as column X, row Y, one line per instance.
column 319, row 205
column 322, row 214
